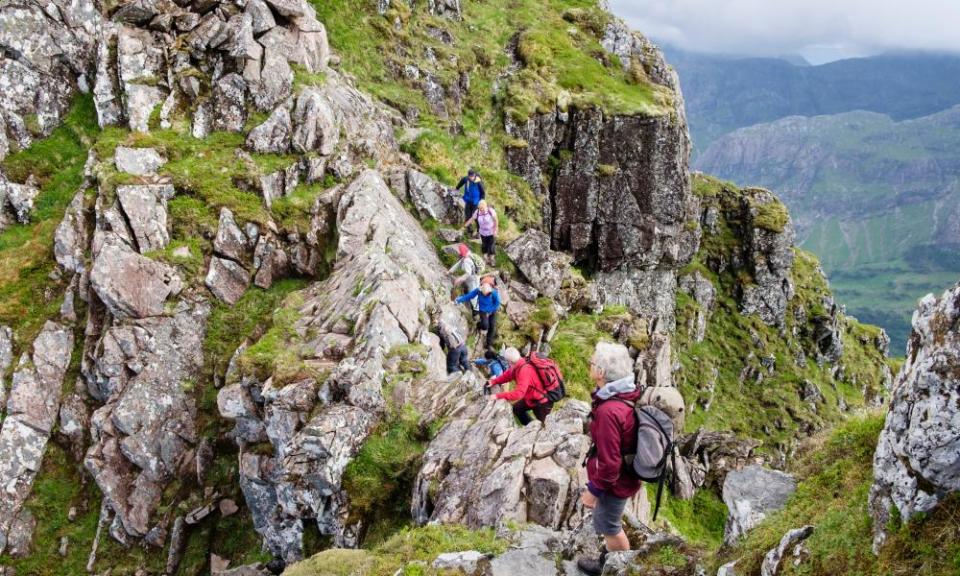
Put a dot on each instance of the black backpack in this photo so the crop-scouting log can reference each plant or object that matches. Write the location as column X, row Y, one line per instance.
column 654, row 447
column 548, row 373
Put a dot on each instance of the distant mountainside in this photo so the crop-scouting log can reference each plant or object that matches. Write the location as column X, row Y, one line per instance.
column 725, row 93
column 877, row 200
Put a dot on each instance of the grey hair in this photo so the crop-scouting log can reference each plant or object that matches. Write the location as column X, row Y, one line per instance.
column 614, row 359
column 511, row 355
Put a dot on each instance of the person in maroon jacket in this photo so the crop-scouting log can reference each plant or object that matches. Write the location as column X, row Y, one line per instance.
column 613, row 429
column 528, row 394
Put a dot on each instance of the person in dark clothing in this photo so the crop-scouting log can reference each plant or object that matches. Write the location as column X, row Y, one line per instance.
column 473, row 193
column 451, row 340
column 488, row 303
column 613, row 429
column 528, row 395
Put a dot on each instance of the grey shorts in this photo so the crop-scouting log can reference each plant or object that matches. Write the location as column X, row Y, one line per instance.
column 608, row 515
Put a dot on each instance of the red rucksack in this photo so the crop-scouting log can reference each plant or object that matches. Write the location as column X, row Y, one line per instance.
column 548, row 373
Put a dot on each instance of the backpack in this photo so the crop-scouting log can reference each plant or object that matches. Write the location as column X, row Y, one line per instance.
column 654, row 446
column 548, row 373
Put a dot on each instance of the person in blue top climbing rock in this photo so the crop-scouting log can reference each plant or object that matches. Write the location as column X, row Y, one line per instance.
column 473, row 193
column 488, row 303
column 496, row 364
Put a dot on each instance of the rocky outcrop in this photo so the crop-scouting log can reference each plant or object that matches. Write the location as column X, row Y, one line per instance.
column 544, row 268
column 701, row 289
column 750, row 495
column 624, row 211
column 31, row 412
column 144, row 432
column 131, row 285
column 386, row 278
column 484, row 470
column 49, row 53
column 771, row 562
column 759, row 247
column 138, row 161
column 917, row 462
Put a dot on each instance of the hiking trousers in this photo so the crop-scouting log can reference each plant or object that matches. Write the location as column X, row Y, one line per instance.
column 458, row 359
column 488, row 322
column 522, row 411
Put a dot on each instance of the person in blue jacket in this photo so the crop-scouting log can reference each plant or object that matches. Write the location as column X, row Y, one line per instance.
column 495, row 363
column 488, row 302
column 473, row 193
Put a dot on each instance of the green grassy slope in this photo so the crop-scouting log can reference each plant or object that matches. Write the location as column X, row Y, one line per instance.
column 732, row 353
column 835, row 473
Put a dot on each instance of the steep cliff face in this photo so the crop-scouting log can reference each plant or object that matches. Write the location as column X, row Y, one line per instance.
column 616, row 188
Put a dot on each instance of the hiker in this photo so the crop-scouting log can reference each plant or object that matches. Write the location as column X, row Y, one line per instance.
column 613, row 429
column 451, row 340
column 488, row 303
column 473, row 192
column 486, row 219
column 496, row 364
column 538, row 385
column 471, row 269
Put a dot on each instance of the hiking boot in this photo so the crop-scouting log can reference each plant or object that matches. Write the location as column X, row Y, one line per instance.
column 592, row 566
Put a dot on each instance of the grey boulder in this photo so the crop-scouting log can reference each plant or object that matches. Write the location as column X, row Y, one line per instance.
column 544, row 268
column 227, row 280
column 751, row 494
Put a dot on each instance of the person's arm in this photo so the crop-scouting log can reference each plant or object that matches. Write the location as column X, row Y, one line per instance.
column 472, row 219
column 483, row 193
column 496, row 300
column 461, row 183
column 507, row 376
column 468, row 296
column 481, row 361
column 453, row 268
column 496, row 221
column 518, row 392
column 608, row 458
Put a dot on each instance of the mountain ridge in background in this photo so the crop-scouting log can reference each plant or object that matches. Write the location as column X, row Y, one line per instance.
column 863, row 151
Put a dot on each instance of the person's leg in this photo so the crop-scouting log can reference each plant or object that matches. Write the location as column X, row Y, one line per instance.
column 464, row 360
column 541, row 411
column 491, row 329
column 608, row 522
column 452, row 355
column 483, row 323
column 520, row 410
column 617, row 542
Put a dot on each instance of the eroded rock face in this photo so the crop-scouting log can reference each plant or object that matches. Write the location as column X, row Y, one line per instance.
column 769, row 258
column 31, row 412
column 544, row 268
column 622, row 210
column 701, row 289
column 131, row 285
column 917, row 462
column 750, row 495
column 145, row 207
column 143, row 433
column 430, row 199
column 385, row 279
column 55, row 45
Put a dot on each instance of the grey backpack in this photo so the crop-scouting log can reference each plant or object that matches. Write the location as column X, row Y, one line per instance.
column 654, row 447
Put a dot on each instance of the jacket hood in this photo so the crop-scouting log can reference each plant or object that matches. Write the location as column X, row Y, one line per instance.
column 624, row 388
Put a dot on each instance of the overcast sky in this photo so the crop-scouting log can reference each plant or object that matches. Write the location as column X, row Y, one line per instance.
column 820, row 30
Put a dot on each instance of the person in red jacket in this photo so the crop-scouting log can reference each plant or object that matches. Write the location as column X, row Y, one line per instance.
column 613, row 429
column 528, row 394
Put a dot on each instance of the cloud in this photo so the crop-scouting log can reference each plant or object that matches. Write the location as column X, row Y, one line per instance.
column 775, row 27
